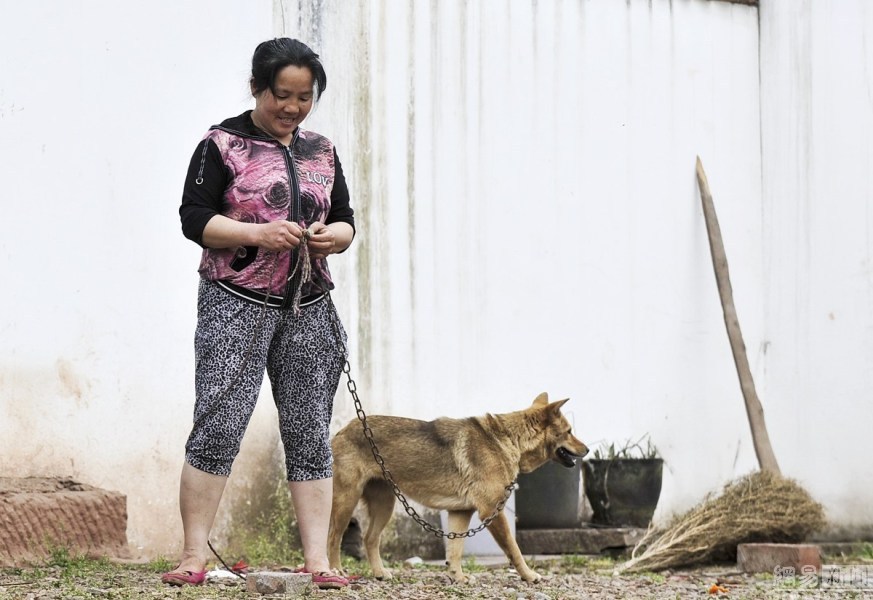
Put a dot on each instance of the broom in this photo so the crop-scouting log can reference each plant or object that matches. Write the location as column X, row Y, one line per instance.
column 761, row 506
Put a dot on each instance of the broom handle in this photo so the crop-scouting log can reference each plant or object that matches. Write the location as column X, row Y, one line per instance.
column 754, row 410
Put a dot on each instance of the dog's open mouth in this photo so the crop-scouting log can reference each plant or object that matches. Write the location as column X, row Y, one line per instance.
column 565, row 457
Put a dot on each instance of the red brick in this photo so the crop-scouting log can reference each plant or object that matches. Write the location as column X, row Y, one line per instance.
column 766, row 558
column 41, row 514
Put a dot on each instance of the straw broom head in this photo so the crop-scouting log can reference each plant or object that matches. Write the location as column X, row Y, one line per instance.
column 759, row 507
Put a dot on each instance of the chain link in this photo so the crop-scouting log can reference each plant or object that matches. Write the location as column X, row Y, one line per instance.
column 368, row 433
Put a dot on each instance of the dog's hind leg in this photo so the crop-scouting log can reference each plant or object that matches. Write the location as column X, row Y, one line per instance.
column 499, row 529
column 380, row 507
column 459, row 521
column 345, row 498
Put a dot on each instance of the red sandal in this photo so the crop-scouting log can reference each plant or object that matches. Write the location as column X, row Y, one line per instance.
column 184, row 577
column 325, row 580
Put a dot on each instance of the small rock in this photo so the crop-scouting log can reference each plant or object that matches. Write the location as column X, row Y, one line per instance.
column 274, row 582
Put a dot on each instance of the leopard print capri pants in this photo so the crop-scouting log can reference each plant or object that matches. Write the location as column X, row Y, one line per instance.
column 303, row 360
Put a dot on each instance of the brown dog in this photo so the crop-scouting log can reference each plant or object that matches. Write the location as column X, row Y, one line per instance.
column 458, row 465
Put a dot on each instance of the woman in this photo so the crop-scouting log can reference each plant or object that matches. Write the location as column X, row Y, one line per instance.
column 268, row 202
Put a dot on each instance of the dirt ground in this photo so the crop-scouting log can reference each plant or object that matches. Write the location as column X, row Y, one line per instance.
column 567, row 577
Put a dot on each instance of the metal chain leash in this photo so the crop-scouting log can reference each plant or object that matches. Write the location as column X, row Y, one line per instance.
column 368, row 433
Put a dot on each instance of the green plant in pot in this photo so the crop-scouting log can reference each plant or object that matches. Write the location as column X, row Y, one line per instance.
column 623, row 483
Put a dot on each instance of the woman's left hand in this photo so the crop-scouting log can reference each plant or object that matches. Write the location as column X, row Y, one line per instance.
column 322, row 242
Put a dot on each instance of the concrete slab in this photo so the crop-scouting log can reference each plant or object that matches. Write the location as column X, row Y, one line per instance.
column 495, row 561
column 843, row 549
column 585, row 540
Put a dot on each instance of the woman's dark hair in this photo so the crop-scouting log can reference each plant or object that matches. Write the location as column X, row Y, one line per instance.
column 272, row 56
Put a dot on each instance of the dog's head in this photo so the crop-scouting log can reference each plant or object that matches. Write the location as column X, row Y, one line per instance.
column 553, row 438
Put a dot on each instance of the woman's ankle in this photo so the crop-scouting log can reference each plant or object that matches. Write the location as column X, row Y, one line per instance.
column 191, row 561
column 317, row 567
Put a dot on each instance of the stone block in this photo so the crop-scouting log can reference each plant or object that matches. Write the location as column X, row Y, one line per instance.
column 292, row 585
column 767, row 558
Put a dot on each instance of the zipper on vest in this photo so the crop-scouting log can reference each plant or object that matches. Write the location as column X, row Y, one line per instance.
column 293, row 215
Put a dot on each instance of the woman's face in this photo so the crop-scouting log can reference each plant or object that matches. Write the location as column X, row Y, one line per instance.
column 279, row 114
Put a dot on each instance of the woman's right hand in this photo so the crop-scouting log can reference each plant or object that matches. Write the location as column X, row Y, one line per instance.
column 275, row 236
column 278, row 236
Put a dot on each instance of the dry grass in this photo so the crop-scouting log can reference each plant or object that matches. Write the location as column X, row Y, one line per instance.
column 759, row 507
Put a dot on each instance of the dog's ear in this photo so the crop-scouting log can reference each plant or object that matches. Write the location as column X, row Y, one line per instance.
column 541, row 400
column 556, row 406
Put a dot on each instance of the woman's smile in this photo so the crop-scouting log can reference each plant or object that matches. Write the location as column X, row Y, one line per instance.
column 280, row 110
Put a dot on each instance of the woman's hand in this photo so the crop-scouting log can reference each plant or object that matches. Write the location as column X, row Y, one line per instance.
column 278, row 236
column 322, row 241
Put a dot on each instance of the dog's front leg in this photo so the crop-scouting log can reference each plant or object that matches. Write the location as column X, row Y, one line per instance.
column 499, row 529
column 459, row 521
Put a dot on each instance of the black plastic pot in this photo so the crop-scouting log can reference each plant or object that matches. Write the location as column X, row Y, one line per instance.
column 623, row 492
column 548, row 498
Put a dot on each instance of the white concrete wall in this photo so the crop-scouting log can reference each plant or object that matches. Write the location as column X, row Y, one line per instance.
column 528, row 221
column 817, row 143
column 101, row 105
column 529, row 214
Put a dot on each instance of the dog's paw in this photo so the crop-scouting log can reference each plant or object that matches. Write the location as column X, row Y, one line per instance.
column 531, row 576
column 383, row 574
column 458, row 578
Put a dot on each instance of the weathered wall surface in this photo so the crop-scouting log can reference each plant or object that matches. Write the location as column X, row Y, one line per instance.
column 817, row 155
column 530, row 218
column 101, row 105
column 528, row 221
